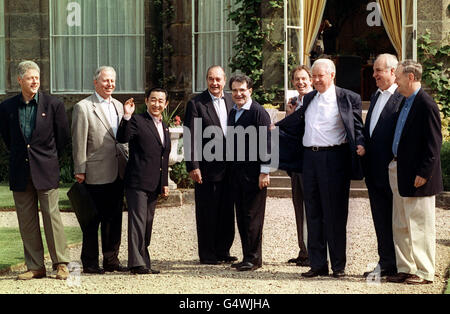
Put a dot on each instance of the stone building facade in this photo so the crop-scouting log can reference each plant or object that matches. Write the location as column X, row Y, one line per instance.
column 27, row 27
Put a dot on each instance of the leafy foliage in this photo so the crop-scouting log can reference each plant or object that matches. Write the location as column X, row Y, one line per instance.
column 445, row 164
column 180, row 176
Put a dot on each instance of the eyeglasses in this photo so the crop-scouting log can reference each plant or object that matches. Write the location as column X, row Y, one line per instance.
column 240, row 90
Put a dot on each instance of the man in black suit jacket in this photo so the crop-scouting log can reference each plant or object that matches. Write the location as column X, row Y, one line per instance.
column 330, row 126
column 146, row 174
column 415, row 178
column 214, row 211
column 35, row 129
column 379, row 133
column 249, row 170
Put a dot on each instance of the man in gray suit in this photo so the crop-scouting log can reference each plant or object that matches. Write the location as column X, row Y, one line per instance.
column 99, row 162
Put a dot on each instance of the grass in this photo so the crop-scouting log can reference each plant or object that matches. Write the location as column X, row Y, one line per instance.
column 7, row 201
column 11, row 247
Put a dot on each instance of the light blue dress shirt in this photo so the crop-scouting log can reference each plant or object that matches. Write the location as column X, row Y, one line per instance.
column 402, row 120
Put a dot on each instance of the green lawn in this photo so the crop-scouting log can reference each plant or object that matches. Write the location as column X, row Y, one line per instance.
column 11, row 247
column 7, row 201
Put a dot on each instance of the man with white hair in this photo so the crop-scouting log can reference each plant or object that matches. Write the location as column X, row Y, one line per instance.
column 415, row 178
column 379, row 133
column 329, row 125
column 99, row 162
column 35, row 129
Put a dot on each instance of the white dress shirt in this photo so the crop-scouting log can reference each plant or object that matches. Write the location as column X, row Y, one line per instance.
column 323, row 122
column 380, row 104
column 221, row 110
column 110, row 112
column 159, row 127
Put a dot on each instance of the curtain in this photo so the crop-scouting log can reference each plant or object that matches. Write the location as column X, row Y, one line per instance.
column 312, row 16
column 214, row 38
column 111, row 33
column 391, row 14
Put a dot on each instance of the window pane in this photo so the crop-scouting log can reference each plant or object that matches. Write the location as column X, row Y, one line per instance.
column 214, row 43
column 293, row 18
column 409, row 43
column 106, row 32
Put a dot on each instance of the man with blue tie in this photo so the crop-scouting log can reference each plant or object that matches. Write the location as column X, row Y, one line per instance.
column 415, row 178
column 379, row 133
column 249, row 175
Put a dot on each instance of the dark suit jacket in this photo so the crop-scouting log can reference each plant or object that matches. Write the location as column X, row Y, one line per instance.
column 39, row 157
column 148, row 164
column 257, row 116
column 349, row 104
column 202, row 107
column 419, row 149
column 379, row 146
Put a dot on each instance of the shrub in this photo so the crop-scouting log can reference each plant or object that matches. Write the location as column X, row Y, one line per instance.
column 180, row 176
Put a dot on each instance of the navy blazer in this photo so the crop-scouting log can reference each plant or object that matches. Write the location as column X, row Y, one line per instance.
column 202, row 107
column 349, row 105
column 148, row 165
column 419, row 149
column 379, row 146
column 39, row 157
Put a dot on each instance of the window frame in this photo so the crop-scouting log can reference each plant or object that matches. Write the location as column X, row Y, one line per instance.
column 406, row 26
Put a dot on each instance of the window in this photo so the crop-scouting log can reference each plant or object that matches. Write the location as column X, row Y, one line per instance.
column 409, row 29
column 2, row 48
column 293, row 40
column 212, row 38
column 86, row 34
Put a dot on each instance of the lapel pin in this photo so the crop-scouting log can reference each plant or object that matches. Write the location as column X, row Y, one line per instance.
column 43, row 114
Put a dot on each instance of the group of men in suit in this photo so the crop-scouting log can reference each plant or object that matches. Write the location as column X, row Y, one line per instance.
column 398, row 152
column 221, row 183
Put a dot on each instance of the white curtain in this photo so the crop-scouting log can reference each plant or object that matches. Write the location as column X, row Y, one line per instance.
column 2, row 48
column 214, row 38
column 111, row 33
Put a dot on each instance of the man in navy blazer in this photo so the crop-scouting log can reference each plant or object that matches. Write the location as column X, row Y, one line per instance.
column 379, row 133
column 249, row 169
column 329, row 126
column 146, row 174
column 415, row 178
column 35, row 129
column 214, row 209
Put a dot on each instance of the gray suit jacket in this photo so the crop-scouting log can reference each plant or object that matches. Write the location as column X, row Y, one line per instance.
column 96, row 152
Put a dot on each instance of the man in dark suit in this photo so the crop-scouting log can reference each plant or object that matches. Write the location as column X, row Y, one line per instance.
column 35, row 129
column 415, row 178
column 249, row 170
column 330, row 126
column 379, row 133
column 146, row 175
column 214, row 209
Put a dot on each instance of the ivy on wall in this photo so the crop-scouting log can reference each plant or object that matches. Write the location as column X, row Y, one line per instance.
column 251, row 37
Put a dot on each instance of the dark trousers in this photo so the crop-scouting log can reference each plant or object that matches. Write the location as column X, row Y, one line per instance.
column 297, row 200
column 381, row 206
column 326, row 178
column 250, row 204
column 108, row 199
column 214, row 213
column 141, row 210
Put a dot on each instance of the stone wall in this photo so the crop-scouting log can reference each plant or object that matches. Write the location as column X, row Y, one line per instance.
column 435, row 16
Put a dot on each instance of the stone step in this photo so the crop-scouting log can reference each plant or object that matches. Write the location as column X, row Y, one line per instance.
column 277, row 181
column 284, row 192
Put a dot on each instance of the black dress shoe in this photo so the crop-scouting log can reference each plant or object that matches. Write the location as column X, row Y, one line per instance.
column 316, row 272
column 209, row 262
column 227, row 259
column 247, row 266
column 236, row 265
column 93, row 270
column 339, row 274
column 303, row 262
column 114, row 268
column 382, row 273
column 141, row 270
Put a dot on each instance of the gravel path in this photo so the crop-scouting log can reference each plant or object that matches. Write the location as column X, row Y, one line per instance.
column 174, row 252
